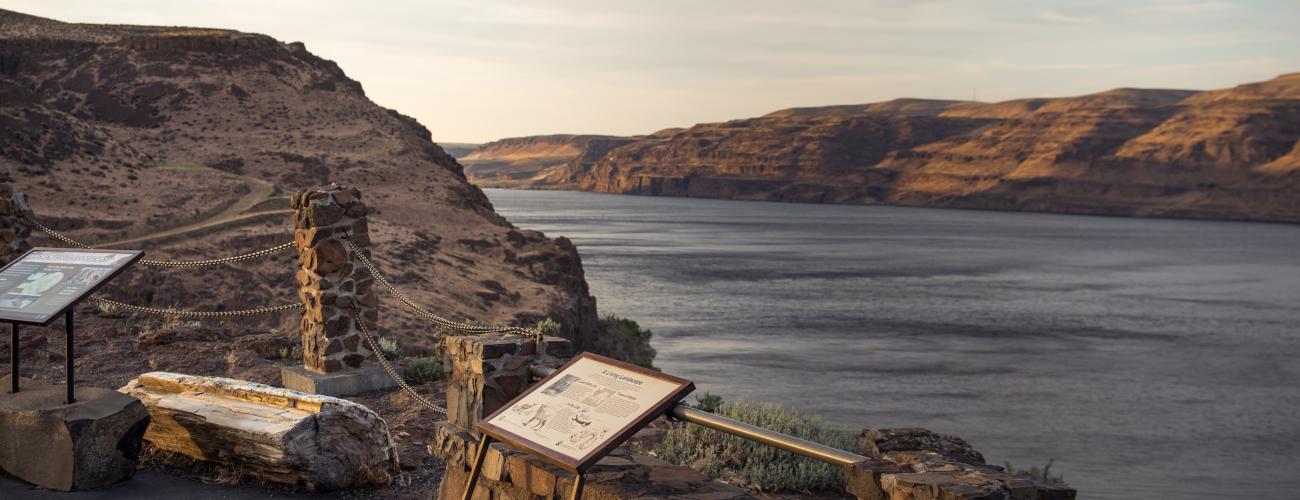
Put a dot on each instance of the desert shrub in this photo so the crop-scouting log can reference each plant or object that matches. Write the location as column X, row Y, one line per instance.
column 549, row 327
column 625, row 340
column 708, row 401
column 740, row 461
column 422, row 370
column 1043, row 474
column 389, row 346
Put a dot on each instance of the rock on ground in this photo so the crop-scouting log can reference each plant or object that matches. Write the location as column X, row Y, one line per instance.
column 278, row 435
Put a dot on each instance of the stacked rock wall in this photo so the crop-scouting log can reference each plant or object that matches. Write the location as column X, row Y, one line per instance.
column 14, row 225
column 333, row 283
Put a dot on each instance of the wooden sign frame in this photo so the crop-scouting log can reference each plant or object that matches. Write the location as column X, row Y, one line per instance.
column 652, row 410
column 134, row 255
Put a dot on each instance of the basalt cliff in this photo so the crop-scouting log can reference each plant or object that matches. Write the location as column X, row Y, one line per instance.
column 1223, row 154
column 189, row 142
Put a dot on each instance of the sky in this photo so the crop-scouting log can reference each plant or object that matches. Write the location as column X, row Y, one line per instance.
column 479, row 70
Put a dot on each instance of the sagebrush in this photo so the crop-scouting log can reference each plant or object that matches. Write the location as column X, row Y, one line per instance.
column 422, row 370
column 1043, row 474
column 624, row 339
column 743, row 462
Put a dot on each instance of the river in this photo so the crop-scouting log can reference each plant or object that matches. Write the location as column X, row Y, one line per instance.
column 1151, row 358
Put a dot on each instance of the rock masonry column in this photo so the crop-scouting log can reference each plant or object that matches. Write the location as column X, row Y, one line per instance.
column 333, row 282
column 15, row 227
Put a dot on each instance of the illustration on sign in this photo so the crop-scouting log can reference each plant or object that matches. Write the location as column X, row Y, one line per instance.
column 42, row 283
column 586, row 405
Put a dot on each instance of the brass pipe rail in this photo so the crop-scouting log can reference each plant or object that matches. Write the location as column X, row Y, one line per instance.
column 815, row 451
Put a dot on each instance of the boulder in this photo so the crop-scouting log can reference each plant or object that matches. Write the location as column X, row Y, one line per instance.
column 878, row 441
column 278, row 435
column 91, row 443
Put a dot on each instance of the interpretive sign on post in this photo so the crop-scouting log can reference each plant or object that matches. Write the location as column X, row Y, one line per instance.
column 39, row 286
column 44, row 284
column 581, row 412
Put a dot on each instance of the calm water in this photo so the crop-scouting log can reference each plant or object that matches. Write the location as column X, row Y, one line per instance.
column 1150, row 358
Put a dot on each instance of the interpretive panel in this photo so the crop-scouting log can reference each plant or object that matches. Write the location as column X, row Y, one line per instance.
column 585, row 409
column 44, row 282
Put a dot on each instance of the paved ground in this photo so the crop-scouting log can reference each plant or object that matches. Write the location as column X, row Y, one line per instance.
column 147, row 485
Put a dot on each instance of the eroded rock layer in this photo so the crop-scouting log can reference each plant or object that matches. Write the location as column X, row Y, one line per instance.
column 1224, row 154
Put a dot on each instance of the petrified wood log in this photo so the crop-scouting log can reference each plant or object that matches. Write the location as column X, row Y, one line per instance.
column 283, row 436
column 88, row 444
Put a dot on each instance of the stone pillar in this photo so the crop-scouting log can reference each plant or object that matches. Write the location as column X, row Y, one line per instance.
column 486, row 372
column 333, row 282
column 334, row 285
column 14, row 225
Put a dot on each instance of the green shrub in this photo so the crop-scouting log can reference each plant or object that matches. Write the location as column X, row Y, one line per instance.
column 422, row 370
column 1043, row 474
column 708, row 401
column 625, row 340
column 740, row 461
column 549, row 327
column 389, row 346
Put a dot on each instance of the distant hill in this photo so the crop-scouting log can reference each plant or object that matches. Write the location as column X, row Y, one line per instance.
column 1224, row 154
column 121, row 132
column 458, row 149
column 522, row 161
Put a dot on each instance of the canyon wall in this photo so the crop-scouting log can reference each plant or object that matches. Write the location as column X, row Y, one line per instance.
column 1224, row 154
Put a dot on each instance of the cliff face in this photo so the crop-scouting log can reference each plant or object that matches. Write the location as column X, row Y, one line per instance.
column 528, row 161
column 122, row 132
column 1226, row 154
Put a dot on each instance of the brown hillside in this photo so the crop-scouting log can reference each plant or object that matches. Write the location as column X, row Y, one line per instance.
column 128, row 132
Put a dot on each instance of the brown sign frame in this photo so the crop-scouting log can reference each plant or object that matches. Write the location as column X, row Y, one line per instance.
column 579, row 466
column 135, row 255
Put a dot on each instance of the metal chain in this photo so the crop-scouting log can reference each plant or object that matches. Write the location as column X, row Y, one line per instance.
column 174, row 263
column 392, row 372
column 438, row 320
column 196, row 314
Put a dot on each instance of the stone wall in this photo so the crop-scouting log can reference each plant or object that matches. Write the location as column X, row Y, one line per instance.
column 489, row 371
column 333, row 283
column 14, row 225
column 486, row 372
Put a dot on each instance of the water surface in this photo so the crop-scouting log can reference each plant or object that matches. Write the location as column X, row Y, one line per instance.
column 1151, row 358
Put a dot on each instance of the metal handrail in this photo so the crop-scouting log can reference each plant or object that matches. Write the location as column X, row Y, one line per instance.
column 815, row 451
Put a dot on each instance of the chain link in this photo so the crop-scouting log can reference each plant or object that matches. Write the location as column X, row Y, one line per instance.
column 437, row 320
column 392, row 372
column 196, row 314
column 173, row 263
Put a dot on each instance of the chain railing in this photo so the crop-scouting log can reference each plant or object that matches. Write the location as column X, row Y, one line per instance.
column 361, row 324
column 434, row 318
column 195, row 314
column 392, row 372
column 172, row 263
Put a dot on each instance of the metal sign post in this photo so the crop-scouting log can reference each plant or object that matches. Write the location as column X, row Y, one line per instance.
column 67, row 357
column 13, row 357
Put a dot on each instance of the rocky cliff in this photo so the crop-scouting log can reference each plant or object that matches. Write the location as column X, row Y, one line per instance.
column 1225, row 154
column 188, row 142
column 527, row 161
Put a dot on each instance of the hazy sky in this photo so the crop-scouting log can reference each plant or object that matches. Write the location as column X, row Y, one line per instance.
column 481, row 70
